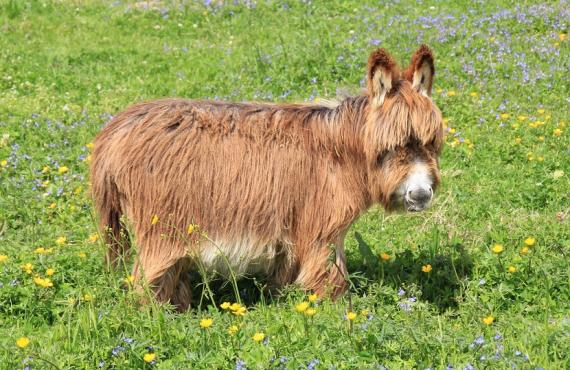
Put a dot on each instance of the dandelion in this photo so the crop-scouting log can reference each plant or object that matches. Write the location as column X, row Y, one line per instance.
column 90, row 146
column 62, row 170
column 498, row 248
column 50, row 272
column 384, row 256
column 93, row 238
column 488, row 320
column 225, row 305
column 42, row 250
column 82, row 255
column 3, row 258
column 530, row 241
column 129, row 279
column 351, row 316
column 522, row 118
column 52, row 206
column 451, row 93
column 365, row 313
column 149, row 357
column 206, row 323
column 426, row 268
column 78, row 190
column 258, row 337
column 88, row 297
column 505, row 115
column 562, row 36
column 524, row 251
column 512, row 269
column 3, row 163
column 233, row 329
column 61, row 240
column 302, row 307
column 557, row 132
column 313, row 297
column 22, row 342
column 518, row 140
column 310, row 312
column 190, row 229
column 44, row 283
column 28, row 267
column 237, row 309
column 154, row 220
column 473, row 94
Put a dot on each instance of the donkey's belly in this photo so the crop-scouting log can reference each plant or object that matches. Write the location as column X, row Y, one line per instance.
column 242, row 257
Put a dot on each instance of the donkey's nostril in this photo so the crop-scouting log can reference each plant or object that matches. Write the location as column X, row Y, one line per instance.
column 420, row 195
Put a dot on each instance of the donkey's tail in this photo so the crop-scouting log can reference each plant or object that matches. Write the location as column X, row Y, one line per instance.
column 106, row 198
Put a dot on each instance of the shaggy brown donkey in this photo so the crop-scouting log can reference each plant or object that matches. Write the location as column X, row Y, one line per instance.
column 272, row 185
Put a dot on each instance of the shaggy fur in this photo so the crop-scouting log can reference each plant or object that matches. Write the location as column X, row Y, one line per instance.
column 272, row 185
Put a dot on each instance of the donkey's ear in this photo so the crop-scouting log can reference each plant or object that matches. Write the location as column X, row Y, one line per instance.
column 382, row 72
column 421, row 70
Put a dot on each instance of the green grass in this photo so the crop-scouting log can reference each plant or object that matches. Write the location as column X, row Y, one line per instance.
column 66, row 66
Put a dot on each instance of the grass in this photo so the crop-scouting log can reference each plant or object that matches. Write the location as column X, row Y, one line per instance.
column 501, row 82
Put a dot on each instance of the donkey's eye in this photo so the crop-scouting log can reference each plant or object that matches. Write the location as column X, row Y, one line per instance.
column 381, row 157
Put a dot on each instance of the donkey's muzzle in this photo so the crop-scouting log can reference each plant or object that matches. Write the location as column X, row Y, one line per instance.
column 418, row 199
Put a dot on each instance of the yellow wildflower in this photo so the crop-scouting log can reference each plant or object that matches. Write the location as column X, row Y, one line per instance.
column 384, row 256
column 426, row 268
column 50, row 272
column 512, row 269
column 451, row 93
column 93, row 238
column 522, row 118
column 524, row 251
column 557, row 132
column 540, row 111
column 439, row 91
column 488, row 320
column 206, row 323
column 351, row 315
column 52, row 206
column 90, row 145
column 45, row 169
column 62, row 169
column 3, row 163
column 518, row 140
column 225, row 305
column 22, row 342
column 78, row 190
column 364, row 312
column 233, row 329
column 530, row 241
column 190, row 229
column 313, row 298
column 88, row 297
column 154, row 220
column 149, row 357
column 129, row 279
column 45, row 283
column 473, row 94
column 505, row 115
column 258, row 337
column 28, row 267
column 42, row 250
column 82, row 255
column 562, row 36
column 3, row 258
column 310, row 312
column 498, row 248
column 302, row 307
column 61, row 240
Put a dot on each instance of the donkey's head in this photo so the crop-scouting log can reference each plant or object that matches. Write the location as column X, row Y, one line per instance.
column 404, row 131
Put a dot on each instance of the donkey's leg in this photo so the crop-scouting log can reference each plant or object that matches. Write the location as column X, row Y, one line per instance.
column 318, row 273
column 164, row 263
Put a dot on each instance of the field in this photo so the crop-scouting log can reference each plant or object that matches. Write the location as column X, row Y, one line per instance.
column 480, row 280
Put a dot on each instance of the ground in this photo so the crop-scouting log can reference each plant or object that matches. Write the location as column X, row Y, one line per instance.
column 481, row 280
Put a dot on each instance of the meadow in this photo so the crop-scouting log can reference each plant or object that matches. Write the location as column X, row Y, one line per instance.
column 481, row 280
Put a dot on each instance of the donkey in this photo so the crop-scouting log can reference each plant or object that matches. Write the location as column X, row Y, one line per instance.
column 273, row 186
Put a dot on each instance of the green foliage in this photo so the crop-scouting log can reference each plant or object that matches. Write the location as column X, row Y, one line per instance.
column 501, row 83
